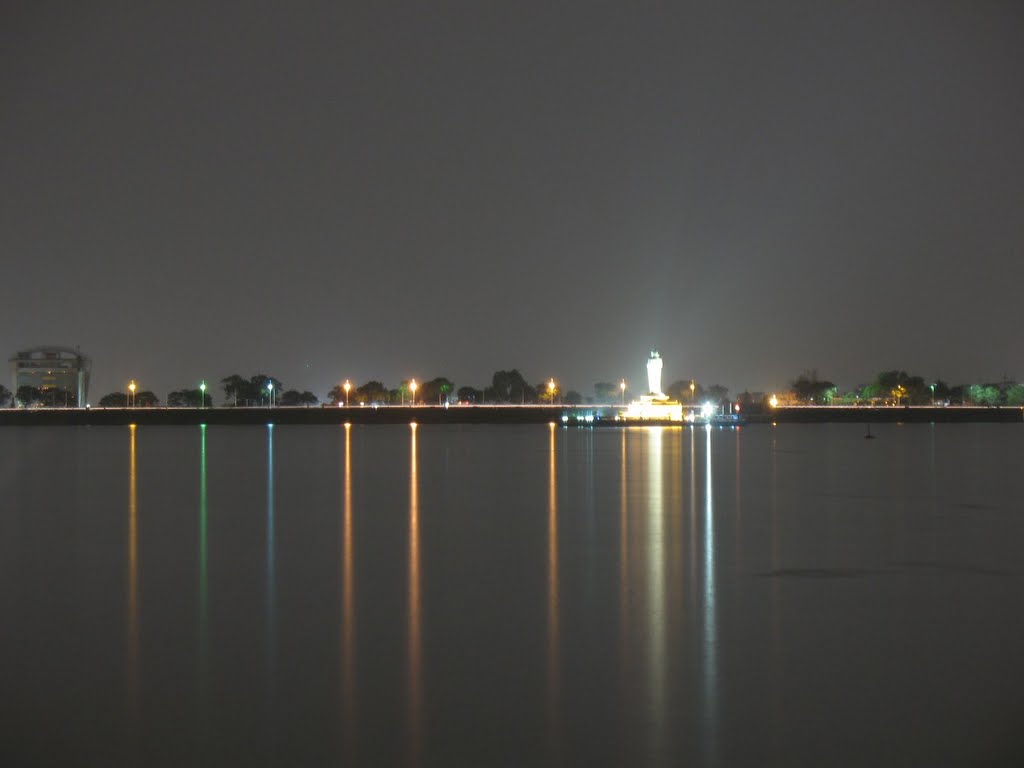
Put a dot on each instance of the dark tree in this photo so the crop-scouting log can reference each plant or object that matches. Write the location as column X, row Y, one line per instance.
column 1015, row 394
column 511, row 387
column 808, row 388
column 251, row 391
column 370, row 392
column 236, row 389
column 5, row 396
column 984, row 394
column 717, row 394
column 680, row 390
column 28, row 395
column 900, row 388
column 470, row 395
column 189, row 398
column 293, row 397
column 114, row 400
column 435, row 390
column 572, row 397
column 146, row 399
column 606, row 392
column 336, row 394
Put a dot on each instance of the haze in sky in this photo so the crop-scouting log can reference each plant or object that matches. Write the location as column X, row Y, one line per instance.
column 386, row 190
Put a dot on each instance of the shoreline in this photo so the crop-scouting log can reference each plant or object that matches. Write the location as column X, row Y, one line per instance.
column 485, row 414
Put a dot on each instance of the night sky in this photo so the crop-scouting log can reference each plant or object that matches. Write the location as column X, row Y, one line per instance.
column 385, row 190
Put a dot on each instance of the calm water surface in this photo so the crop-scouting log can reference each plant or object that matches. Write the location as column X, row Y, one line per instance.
column 512, row 596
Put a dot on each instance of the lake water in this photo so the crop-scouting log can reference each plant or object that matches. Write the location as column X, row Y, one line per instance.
column 530, row 595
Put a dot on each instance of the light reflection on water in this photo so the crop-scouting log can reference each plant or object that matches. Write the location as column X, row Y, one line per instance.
column 655, row 557
column 710, row 649
column 415, row 609
column 270, row 631
column 348, row 641
column 553, row 639
column 133, row 578
column 580, row 597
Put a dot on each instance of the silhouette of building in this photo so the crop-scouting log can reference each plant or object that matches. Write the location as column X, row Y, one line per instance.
column 61, row 374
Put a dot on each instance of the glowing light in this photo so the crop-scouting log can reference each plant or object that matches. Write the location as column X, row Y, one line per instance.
column 654, row 365
column 707, row 410
column 346, row 386
column 412, row 388
column 774, row 402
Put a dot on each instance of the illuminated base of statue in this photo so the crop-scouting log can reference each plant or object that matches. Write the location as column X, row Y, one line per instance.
column 654, row 408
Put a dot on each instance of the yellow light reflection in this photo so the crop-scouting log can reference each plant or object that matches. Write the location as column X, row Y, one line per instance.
column 623, row 549
column 348, row 605
column 415, row 638
column 553, row 655
column 133, row 577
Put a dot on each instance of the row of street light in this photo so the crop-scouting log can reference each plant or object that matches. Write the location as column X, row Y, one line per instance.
column 347, row 387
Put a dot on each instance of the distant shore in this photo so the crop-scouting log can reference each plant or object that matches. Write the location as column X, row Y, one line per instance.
column 477, row 414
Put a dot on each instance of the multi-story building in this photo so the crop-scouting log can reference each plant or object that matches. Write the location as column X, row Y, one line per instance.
column 61, row 374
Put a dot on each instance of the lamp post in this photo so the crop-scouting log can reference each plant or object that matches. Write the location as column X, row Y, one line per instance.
column 131, row 396
column 412, row 389
column 622, row 386
column 551, row 391
column 270, row 391
column 932, row 387
column 202, row 394
column 346, row 386
column 693, row 386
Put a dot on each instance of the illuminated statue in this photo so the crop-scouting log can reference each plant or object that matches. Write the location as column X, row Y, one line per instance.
column 655, row 406
column 654, row 375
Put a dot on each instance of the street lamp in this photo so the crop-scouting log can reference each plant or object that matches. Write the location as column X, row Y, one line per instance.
column 202, row 394
column 346, row 386
column 131, row 389
column 774, row 402
column 270, row 390
column 932, row 387
column 412, row 388
column 622, row 386
column 551, row 390
column 693, row 386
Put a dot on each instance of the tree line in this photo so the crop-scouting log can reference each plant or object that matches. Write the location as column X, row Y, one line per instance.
column 895, row 387
column 898, row 387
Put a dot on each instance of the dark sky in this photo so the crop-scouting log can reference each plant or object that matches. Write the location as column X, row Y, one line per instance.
column 387, row 190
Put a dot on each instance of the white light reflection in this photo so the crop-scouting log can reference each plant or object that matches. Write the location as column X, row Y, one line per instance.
column 204, row 608
column 270, row 628
column 710, row 626
column 656, row 584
